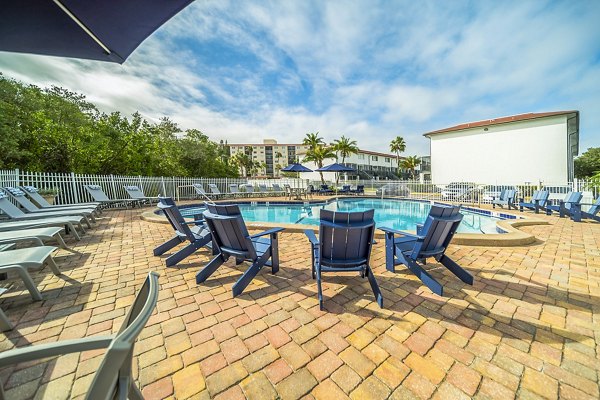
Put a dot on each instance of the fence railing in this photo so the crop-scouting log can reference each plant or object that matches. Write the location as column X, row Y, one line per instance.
column 70, row 186
column 71, row 189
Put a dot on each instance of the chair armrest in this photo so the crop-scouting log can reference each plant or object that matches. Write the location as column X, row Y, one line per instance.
column 402, row 233
column 312, row 238
column 419, row 228
column 267, row 232
column 41, row 351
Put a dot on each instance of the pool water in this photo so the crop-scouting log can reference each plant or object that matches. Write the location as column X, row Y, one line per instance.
column 396, row 214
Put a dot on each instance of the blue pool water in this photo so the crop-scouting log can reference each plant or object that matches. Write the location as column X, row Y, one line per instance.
column 396, row 214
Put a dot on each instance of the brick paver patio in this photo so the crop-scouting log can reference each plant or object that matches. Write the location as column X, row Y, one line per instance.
column 528, row 328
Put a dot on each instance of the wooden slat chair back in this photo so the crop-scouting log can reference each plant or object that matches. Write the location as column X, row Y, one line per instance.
column 231, row 239
column 578, row 214
column 346, row 238
column 344, row 244
column 431, row 241
column 198, row 236
column 438, row 230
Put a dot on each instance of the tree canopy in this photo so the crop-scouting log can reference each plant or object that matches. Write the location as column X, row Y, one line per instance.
column 588, row 164
column 56, row 130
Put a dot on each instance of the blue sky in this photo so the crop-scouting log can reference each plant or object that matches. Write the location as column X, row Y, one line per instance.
column 370, row 70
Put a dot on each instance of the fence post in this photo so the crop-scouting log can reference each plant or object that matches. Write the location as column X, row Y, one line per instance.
column 174, row 188
column 162, row 182
column 112, row 180
column 17, row 176
column 74, row 186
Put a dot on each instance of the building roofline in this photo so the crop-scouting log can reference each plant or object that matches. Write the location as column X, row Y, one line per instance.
column 500, row 120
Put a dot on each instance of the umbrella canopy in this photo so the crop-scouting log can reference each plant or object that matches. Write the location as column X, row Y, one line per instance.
column 105, row 30
column 335, row 167
column 296, row 168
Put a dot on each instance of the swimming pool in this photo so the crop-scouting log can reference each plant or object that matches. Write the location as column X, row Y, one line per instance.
column 391, row 213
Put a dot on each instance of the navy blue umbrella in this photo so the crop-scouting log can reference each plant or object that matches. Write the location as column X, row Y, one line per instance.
column 105, row 30
column 296, row 168
column 335, row 167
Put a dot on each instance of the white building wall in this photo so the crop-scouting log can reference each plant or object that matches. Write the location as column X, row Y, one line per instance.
column 526, row 151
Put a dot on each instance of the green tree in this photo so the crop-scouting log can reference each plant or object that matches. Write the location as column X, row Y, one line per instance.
column 588, row 164
column 345, row 147
column 317, row 155
column 56, row 130
column 410, row 163
column 398, row 145
column 312, row 140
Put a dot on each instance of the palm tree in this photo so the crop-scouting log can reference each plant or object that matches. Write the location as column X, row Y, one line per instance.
column 317, row 155
column 278, row 156
column 345, row 147
column 410, row 163
column 398, row 145
column 312, row 140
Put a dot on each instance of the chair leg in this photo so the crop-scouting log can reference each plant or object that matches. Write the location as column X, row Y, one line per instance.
column 274, row 254
column 87, row 222
column 53, row 266
column 319, row 290
column 69, row 228
column 26, row 278
column 5, row 324
column 374, row 286
column 423, row 276
column 166, row 246
column 247, row 276
column 456, row 269
column 181, row 254
column 61, row 241
column 134, row 391
column 389, row 252
column 210, row 268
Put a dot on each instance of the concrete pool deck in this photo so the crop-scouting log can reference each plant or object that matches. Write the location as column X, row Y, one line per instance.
column 529, row 327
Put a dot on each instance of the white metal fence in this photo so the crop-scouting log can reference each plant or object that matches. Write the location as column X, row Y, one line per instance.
column 70, row 186
column 71, row 189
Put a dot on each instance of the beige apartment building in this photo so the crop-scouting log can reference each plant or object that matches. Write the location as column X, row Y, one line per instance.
column 275, row 156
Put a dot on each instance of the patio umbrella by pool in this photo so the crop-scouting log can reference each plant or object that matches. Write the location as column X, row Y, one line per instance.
column 105, row 30
column 336, row 167
column 296, row 168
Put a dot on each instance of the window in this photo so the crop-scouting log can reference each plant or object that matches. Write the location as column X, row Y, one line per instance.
column 374, row 158
column 387, row 159
column 361, row 156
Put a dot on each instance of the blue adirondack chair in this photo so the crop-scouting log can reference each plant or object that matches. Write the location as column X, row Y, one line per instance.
column 592, row 213
column 344, row 244
column 565, row 206
column 231, row 239
column 538, row 201
column 198, row 236
column 345, row 189
column 506, row 198
column 432, row 240
column 325, row 190
column 360, row 189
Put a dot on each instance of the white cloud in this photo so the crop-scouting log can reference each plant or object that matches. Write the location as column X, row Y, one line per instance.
column 370, row 70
